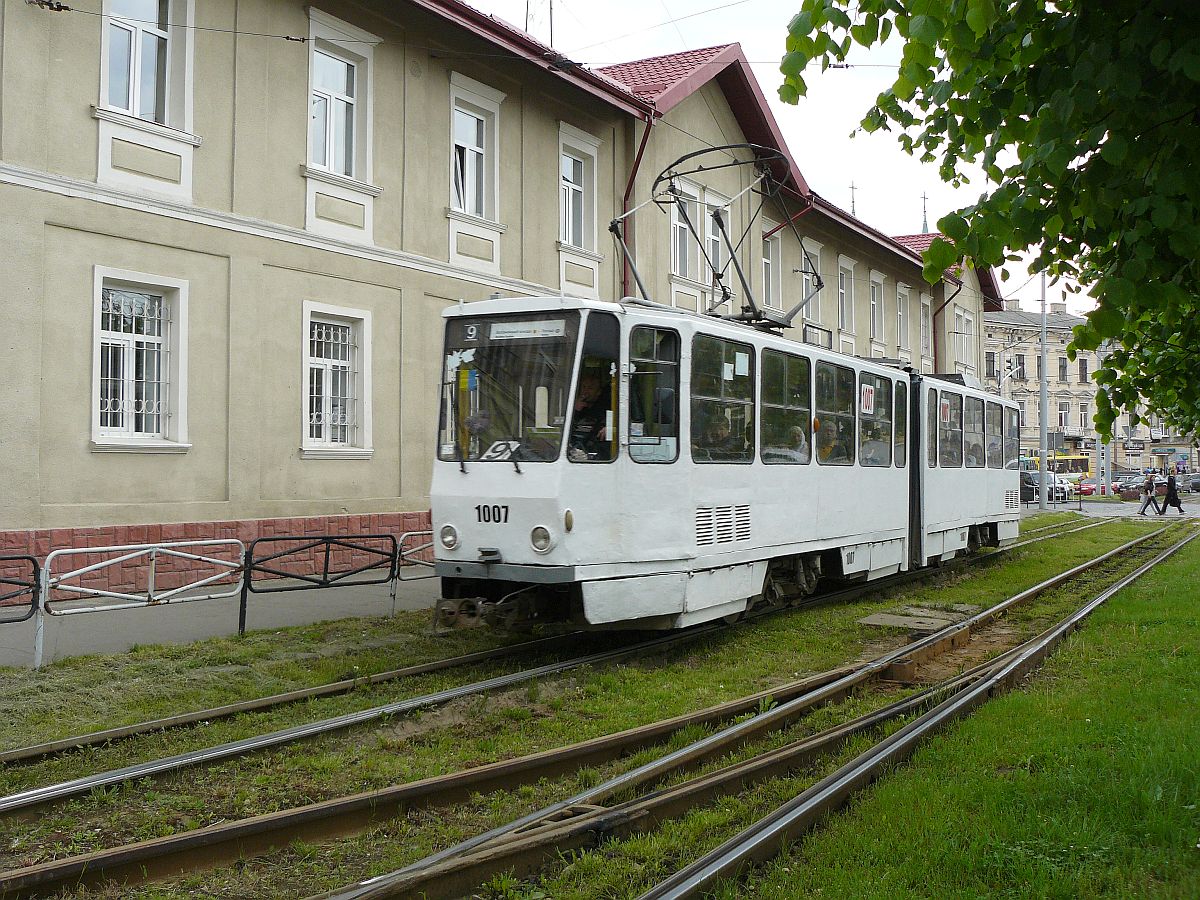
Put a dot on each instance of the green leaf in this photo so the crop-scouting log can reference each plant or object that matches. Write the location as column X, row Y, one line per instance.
column 793, row 63
column 1114, row 149
column 837, row 16
column 925, row 29
column 1106, row 321
column 953, row 226
column 789, row 92
column 980, row 15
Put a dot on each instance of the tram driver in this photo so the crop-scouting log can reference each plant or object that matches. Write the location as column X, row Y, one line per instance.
column 589, row 417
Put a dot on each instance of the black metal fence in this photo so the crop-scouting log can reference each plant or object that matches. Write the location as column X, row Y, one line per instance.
column 20, row 584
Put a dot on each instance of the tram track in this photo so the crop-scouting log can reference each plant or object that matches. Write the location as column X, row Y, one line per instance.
column 345, row 815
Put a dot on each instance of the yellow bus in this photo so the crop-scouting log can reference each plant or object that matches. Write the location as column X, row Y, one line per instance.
column 1072, row 466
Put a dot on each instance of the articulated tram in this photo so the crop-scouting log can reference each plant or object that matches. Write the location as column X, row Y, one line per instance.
column 637, row 466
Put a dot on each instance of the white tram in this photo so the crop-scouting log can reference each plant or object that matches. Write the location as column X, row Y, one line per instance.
column 630, row 465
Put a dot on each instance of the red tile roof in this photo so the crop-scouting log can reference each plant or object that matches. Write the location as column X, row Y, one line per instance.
column 649, row 78
column 918, row 243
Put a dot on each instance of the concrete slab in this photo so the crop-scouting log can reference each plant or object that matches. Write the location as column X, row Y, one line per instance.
column 115, row 631
column 922, row 612
column 912, row 623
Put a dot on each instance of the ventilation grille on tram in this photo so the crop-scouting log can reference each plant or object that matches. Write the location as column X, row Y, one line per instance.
column 1012, row 499
column 722, row 524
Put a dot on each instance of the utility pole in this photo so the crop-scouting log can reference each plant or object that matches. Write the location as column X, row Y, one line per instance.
column 1103, row 445
column 1044, row 408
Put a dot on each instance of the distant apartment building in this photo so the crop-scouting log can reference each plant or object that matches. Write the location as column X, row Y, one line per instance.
column 1012, row 368
column 231, row 229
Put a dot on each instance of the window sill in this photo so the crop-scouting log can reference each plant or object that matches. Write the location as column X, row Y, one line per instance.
column 342, row 181
column 164, row 131
column 120, row 445
column 572, row 250
column 459, row 216
column 336, row 452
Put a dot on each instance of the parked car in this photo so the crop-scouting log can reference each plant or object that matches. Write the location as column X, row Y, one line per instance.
column 1059, row 488
column 1194, row 481
column 1087, row 486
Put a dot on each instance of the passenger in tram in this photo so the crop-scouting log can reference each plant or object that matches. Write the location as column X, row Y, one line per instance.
column 799, row 443
column 832, row 449
column 589, row 434
column 717, row 442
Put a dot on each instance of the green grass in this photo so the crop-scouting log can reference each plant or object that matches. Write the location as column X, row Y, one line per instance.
column 555, row 711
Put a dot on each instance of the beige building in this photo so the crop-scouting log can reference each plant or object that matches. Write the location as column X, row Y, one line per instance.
column 1012, row 368
column 231, row 227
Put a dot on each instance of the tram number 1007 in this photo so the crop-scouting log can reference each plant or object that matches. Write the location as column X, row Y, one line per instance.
column 494, row 513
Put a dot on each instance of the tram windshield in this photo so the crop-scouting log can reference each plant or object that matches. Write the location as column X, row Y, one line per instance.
column 505, row 385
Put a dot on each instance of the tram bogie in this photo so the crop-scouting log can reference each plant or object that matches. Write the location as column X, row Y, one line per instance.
column 627, row 465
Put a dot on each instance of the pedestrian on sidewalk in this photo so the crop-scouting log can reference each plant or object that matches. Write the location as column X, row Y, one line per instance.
column 1148, row 496
column 1172, row 498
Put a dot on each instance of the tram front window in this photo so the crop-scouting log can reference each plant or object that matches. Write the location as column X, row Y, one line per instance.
column 505, row 387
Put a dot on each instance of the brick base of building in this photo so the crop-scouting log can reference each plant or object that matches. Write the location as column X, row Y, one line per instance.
column 173, row 571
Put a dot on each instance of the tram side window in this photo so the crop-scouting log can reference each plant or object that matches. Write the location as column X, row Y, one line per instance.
column 874, row 420
column 835, row 415
column 722, row 400
column 593, row 435
column 931, row 427
column 950, row 429
column 653, row 395
column 787, row 406
column 976, row 458
column 1012, row 439
column 900, row 435
column 995, row 436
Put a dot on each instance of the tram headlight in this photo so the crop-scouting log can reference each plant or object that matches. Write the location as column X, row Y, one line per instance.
column 448, row 536
column 541, row 539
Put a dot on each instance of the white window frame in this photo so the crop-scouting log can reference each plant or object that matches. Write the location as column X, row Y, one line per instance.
column 964, row 338
column 903, row 296
column 714, row 244
column 1064, row 413
column 585, row 148
column 690, row 268
column 360, row 321
column 845, row 291
column 1021, row 420
column 349, row 44
column 926, row 326
column 173, row 436
column 812, row 311
column 876, row 298
column 483, row 102
column 772, row 266
column 1085, row 415
column 177, row 80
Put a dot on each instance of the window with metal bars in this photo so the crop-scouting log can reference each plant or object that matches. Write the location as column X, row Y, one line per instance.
column 135, row 344
column 333, row 415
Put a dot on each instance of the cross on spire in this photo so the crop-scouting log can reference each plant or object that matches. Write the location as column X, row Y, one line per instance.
column 852, row 190
column 924, row 214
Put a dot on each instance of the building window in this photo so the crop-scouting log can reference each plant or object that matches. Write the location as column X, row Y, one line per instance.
column 1040, row 369
column 902, row 317
column 810, row 266
column 926, row 329
column 772, row 291
column 846, row 293
column 1064, row 413
column 876, row 307
column 1018, row 366
column 474, row 165
column 1062, row 368
column 964, row 338
column 684, row 254
column 1085, row 415
column 140, row 362
column 331, row 120
column 1021, row 413
column 337, row 370
column 1083, row 370
column 989, row 363
column 139, row 38
column 577, row 152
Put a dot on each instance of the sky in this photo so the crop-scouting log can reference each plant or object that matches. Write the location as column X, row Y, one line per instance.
column 889, row 183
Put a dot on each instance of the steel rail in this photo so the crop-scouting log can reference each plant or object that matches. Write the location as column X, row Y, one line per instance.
column 50, row 748
column 950, row 636
column 764, row 839
column 585, row 825
column 344, row 815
